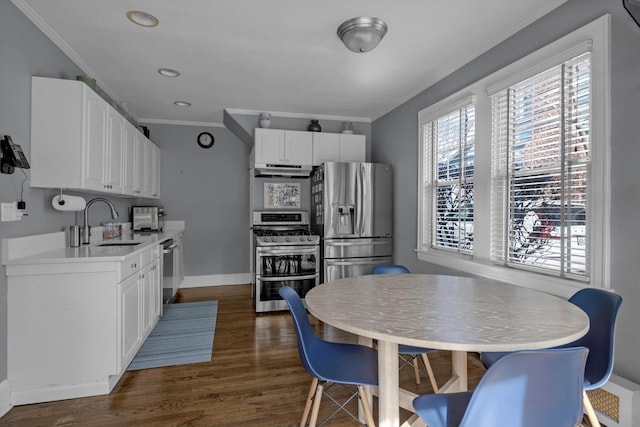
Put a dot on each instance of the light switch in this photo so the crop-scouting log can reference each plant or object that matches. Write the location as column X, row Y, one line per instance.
column 10, row 212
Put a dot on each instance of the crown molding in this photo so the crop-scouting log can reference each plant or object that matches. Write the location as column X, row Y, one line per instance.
column 299, row 115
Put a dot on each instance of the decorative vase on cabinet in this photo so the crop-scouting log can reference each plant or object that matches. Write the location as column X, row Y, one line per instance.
column 265, row 120
column 314, row 126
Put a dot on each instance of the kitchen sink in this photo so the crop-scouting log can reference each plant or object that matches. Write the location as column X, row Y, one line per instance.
column 119, row 244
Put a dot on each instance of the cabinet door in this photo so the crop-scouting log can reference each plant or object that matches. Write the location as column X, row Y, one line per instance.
column 269, row 146
column 114, row 158
column 129, row 159
column 298, row 147
column 131, row 320
column 352, row 148
column 153, row 173
column 145, row 285
column 95, row 141
column 151, row 296
column 155, row 285
column 138, row 180
column 146, row 168
column 178, row 264
column 326, row 148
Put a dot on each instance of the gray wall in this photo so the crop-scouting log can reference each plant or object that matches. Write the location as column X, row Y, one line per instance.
column 26, row 52
column 395, row 140
column 209, row 190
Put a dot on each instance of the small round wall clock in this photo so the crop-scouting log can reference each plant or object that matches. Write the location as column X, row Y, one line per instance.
column 205, row 140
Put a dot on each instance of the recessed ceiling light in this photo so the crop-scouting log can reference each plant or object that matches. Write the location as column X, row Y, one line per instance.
column 142, row 18
column 182, row 103
column 168, row 72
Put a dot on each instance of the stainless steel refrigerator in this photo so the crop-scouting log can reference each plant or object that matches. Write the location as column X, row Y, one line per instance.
column 352, row 211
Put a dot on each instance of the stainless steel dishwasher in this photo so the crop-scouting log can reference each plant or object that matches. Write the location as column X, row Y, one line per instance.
column 169, row 266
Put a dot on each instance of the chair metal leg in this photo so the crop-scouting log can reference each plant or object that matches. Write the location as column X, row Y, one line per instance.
column 307, row 406
column 432, row 377
column 364, row 399
column 588, row 409
column 316, row 405
column 416, row 369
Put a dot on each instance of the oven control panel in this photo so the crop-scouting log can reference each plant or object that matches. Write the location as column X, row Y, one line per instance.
column 287, row 240
column 287, row 218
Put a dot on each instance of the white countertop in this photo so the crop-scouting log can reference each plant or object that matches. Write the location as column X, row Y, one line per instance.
column 52, row 248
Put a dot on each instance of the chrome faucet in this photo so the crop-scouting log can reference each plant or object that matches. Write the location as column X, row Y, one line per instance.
column 86, row 229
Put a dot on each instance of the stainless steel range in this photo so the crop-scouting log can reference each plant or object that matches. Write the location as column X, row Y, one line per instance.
column 286, row 254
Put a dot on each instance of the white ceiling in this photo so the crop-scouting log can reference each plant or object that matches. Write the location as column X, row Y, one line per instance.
column 280, row 56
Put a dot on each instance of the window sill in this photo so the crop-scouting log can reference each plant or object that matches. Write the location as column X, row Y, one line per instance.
column 549, row 284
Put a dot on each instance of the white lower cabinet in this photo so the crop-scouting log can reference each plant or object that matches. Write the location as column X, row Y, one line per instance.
column 73, row 328
column 140, row 302
column 130, row 301
column 151, row 296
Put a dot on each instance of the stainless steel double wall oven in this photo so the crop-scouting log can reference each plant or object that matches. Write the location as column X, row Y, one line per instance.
column 286, row 254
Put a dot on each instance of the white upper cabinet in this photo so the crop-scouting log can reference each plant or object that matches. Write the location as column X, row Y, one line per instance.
column 353, row 148
column 298, row 147
column 338, row 147
column 80, row 142
column 93, row 144
column 114, row 153
column 129, row 158
column 283, row 147
column 151, row 182
column 155, row 171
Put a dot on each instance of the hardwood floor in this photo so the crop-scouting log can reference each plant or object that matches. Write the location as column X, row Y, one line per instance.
column 254, row 378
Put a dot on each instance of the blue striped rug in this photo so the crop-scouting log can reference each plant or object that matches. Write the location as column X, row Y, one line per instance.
column 183, row 335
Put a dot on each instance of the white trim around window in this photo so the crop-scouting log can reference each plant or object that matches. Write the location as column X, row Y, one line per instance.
column 593, row 37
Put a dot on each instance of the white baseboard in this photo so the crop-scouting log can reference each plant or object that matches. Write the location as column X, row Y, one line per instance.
column 216, row 280
column 5, row 398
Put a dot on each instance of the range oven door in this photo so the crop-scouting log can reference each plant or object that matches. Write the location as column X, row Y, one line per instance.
column 278, row 266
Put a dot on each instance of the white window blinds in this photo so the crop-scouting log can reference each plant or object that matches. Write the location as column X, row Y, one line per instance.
column 541, row 171
column 449, row 163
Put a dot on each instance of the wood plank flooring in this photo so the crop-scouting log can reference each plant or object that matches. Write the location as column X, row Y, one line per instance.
column 254, row 378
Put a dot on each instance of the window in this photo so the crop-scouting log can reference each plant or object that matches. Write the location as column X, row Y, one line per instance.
column 514, row 169
column 449, row 178
column 541, row 149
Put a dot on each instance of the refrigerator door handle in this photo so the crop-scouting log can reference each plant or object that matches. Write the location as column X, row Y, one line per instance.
column 373, row 242
column 364, row 261
column 359, row 179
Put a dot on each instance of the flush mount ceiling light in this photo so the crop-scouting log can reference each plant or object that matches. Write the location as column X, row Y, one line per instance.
column 168, row 72
column 142, row 18
column 182, row 103
column 362, row 34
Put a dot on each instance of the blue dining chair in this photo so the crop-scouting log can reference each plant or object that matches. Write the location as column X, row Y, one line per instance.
column 331, row 363
column 407, row 353
column 538, row 388
column 602, row 307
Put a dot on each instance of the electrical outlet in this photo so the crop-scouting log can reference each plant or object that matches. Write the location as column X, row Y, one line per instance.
column 10, row 212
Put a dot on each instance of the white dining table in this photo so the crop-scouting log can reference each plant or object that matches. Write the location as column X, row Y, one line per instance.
column 458, row 314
